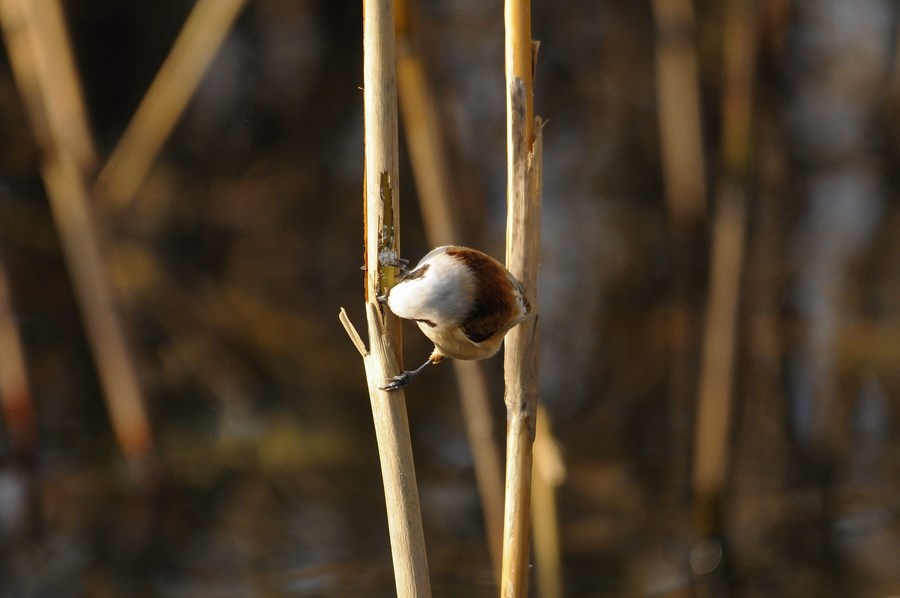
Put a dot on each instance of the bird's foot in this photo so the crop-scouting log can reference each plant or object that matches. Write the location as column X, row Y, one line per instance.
column 388, row 257
column 404, row 378
column 398, row 381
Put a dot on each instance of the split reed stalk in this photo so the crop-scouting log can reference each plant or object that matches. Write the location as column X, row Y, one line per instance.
column 166, row 99
column 522, row 256
column 34, row 60
column 434, row 186
column 382, row 238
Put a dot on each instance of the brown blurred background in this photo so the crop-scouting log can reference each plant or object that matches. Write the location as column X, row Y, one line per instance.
column 719, row 297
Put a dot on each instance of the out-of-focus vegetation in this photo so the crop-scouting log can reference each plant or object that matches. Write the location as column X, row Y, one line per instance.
column 229, row 264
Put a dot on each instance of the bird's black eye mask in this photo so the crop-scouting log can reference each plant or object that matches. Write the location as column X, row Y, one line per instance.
column 414, row 274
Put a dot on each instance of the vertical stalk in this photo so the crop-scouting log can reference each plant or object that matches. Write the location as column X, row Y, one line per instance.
column 678, row 101
column 684, row 182
column 715, row 397
column 382, row 177
column 522, row 255
column 549, row 474
column 382, row 239
column 520, row 53
column 712, row 446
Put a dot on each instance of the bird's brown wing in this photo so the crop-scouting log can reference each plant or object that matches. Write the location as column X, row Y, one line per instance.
column 483, row 326
column 491, row 312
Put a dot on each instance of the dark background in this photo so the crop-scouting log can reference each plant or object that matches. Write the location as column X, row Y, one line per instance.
column 231, row 263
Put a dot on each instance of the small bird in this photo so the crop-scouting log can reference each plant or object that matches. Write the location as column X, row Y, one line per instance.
column 463, row 300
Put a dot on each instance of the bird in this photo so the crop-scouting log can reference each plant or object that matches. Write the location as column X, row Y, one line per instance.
column 463, row 300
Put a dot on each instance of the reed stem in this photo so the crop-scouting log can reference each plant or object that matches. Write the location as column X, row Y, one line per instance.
column 381, row 359
column 522, row 256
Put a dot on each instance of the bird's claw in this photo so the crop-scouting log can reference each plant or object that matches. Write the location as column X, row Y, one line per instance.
column 390, row 258
column 397, row 382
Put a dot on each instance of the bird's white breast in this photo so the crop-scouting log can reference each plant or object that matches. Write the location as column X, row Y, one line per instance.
column 443, row 295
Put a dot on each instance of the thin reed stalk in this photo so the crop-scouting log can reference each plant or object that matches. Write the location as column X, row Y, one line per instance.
column 678, row 103
column 716, row 376
column 166, row 99
column 401, row 495
column 434, row 187
column 712, row 446
column 549, row 474
column 522, row 256
column 381, row 359
column 56, row 72
column 684, row 184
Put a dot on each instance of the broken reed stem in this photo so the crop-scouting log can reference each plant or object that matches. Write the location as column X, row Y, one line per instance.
column 431, row 174
column 382, row 238
column 166, row 99
column 522, row 256
column 64, row 177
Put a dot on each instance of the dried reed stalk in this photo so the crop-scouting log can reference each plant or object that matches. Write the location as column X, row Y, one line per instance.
column 678, row 102
column 395, row 451
column 549, row 474
column 382, row 238
column 475, row 399
column 684, row 181
column 434, row 187
column 711, row 446
column 522, row 255
column 165, row 100
column 56, row 72
column 33, row 59
column 715, row 396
